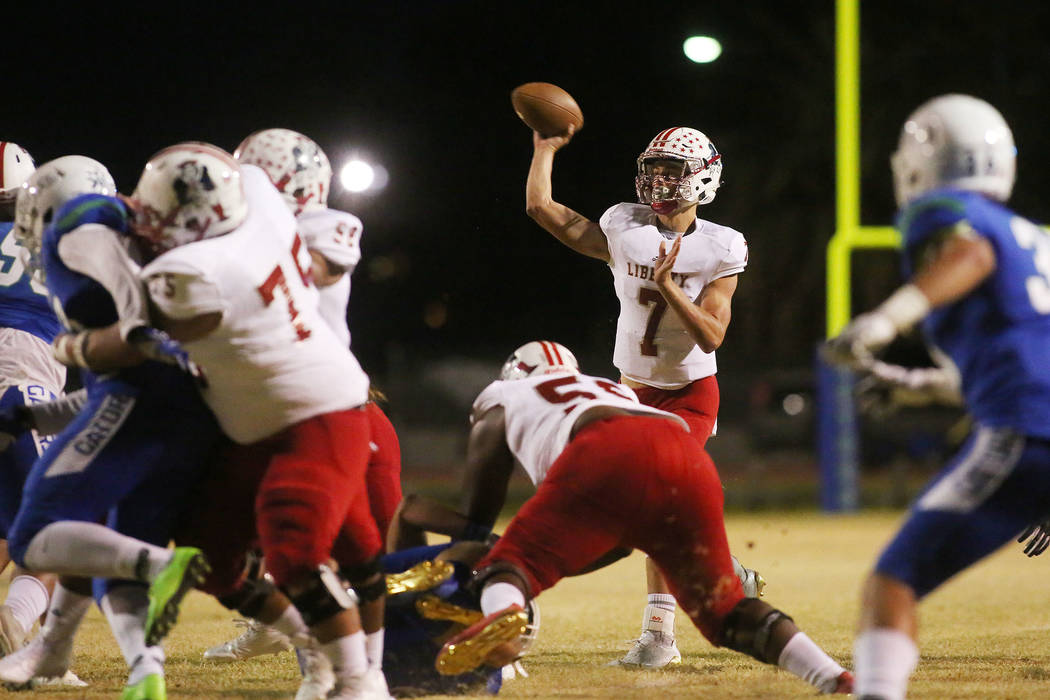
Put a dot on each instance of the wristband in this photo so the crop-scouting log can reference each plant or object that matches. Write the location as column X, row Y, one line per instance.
column 905, row 307
column 69, row 351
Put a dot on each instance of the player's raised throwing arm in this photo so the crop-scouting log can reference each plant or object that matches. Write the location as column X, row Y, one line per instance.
column 568, row 226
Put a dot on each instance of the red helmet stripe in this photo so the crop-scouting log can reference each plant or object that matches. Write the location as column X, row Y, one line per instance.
column 547, row 352
column 557, row 353
column 3, row 170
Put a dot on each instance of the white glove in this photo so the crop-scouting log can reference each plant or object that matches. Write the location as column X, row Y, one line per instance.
column 856, row 345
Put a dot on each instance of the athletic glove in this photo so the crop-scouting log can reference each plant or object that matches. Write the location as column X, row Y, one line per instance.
column 158, row 345
column 1040, row 538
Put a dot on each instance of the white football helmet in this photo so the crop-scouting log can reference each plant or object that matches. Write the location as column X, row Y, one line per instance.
column 701, row 172
column 297, row 166
column 539, row 357
column 16, row 165
column 49, row 187
column 186, row 193
column 954, row 141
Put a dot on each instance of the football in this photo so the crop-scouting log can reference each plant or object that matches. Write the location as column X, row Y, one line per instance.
column 546, row 108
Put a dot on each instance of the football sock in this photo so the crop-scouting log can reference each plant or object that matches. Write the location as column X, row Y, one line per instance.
column 125, row 607
column 65, row 614
column 884, row 660
column 374, row 647
column 802, row 657
column 497, row 596
column 347, row 654
column 27, row 599
column 290, row 623
column 77, row 548
column 659, row 614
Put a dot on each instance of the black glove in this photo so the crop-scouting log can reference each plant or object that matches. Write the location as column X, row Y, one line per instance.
column 1040, row 538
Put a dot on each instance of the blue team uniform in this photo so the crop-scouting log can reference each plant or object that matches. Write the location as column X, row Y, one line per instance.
column 998, row 336
column 23, row 307
column 410, row 646
column 144, row 431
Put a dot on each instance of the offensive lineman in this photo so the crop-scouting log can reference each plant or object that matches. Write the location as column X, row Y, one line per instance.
column 610, row 473
column 241, row 299
column 667, row 358
column 979, row 283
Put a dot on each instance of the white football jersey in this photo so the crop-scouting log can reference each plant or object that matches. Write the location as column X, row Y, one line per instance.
column 272, row 361
column 337, row 236
column 652, row 345
column 540, row 412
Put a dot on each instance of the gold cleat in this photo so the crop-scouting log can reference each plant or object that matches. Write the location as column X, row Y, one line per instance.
column 760, row 584
column 433, row 608
column 468, row 650
column 421, row 577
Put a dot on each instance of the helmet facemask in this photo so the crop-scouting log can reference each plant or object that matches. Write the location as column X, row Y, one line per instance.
column 680, row 167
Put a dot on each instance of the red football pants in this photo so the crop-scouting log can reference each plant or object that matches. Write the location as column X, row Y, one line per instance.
column 696, row 403
column 631, row 481
column 383, row 477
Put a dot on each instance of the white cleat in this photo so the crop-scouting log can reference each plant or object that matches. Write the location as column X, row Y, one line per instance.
column 12, row 636
column 38, row 659
column 651, row 650
column 369, row 686
column 256, row 640
column 318, row 677
column 69, row 680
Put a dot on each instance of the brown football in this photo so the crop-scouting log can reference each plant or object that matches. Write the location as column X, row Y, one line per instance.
column 546, row 108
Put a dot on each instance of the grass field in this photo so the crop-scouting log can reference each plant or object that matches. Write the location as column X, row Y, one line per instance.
column 985, row 635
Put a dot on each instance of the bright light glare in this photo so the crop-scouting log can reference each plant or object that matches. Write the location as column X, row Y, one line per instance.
column 702, row 49
column 357, row 176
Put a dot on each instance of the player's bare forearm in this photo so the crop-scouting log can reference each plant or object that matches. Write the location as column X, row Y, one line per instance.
column 102, row 350
column 489, row 466
column 417, row 515
column 707, row 319
column 961, row 265
column 568, row 226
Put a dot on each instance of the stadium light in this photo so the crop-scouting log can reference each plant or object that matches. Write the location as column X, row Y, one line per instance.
column 702, row 49
column 357, row 176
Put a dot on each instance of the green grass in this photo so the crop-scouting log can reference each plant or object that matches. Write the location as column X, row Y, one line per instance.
column 983, row 636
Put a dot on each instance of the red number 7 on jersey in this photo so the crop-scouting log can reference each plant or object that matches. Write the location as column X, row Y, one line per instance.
column 276, row 280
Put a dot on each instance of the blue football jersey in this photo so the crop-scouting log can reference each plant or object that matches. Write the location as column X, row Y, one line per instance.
column 998, row 335
column 23, row 300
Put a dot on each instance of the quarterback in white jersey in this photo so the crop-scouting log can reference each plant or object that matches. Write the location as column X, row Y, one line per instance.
column 674, row 274
column 232, row 281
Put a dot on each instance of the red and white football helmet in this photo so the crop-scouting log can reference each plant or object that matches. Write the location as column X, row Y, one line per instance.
column 297, row 166
column 49, row 187
column 701, row 172
column 186, row 193
column 539, row 357
column 16, row 165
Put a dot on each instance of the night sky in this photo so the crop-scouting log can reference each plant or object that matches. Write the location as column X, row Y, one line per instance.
column 423, row 88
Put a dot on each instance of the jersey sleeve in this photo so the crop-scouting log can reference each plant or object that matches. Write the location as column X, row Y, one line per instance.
column 612, row 224
column 336, row 237
column 926, row 222
column 489, row 398
column 182, row 291
column 97, row 252
column 735, row 259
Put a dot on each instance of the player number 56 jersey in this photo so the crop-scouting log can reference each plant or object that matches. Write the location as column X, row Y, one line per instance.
column 652, row 345
column 541, row 411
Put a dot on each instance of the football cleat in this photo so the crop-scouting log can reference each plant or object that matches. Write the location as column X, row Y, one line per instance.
column 433, row 608
column 651, row 650
column 468, row 649
column 843, row 684
column 318, row 676
column 371, row 685
column 421, row 577
column 12, row 636
column 256, row 640
column 187, row 569
column 38, row 659
column 149, row 688
column 66, row 680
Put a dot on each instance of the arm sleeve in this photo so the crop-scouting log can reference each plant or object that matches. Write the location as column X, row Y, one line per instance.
column 735, row 259
column 51, row 417
column 182, row 291
column 97, row 252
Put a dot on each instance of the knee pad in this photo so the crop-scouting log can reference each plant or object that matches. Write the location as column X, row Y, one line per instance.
column 249, row 597
column 323, row 597
column 748, row 627
column 368, row 580
column 477, row 581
